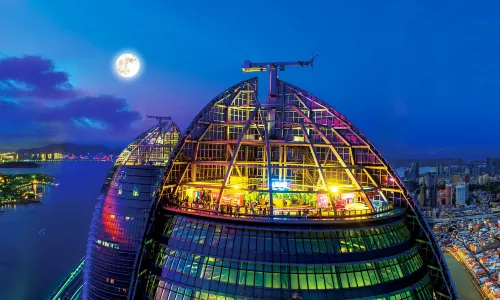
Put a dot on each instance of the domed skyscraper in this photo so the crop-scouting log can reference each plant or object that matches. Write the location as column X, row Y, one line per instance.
column 122, row 210
column 283, row 199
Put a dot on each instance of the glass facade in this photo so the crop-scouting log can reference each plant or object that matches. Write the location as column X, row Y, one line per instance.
column 120, row 216
column 284, row 200
column 274, row 263
column 167, row 290
column 205, row 237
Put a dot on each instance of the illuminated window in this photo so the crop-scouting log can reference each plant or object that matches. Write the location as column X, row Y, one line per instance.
column 136, row 191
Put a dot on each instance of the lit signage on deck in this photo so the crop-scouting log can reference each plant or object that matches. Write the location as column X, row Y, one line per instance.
column 279, row 185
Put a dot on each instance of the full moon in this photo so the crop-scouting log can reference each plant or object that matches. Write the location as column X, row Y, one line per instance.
column 127, row 65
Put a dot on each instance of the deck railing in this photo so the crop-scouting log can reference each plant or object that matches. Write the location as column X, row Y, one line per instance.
column 289, row 213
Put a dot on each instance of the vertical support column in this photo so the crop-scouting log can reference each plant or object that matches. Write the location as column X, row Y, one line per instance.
column 268, row 154
column 273, row 84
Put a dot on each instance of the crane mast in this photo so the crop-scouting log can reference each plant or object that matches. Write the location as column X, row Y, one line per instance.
column 273, row 68
column 161, row 120
column 274, row 109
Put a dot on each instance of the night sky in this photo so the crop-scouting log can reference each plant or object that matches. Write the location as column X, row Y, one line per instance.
column 419, row 78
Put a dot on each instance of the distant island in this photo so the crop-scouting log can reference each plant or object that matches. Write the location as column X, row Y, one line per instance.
column 19, row 164
column 58, row 153
column 23, row 188
column 75, row 149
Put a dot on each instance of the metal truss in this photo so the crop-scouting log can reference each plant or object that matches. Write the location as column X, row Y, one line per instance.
column 381, row 176
column 237, row 144
column 152, row 147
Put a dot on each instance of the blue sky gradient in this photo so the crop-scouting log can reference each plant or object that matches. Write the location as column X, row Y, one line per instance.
column 419, row 78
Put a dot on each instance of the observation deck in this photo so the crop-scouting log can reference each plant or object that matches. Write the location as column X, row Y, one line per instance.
column 291, row 216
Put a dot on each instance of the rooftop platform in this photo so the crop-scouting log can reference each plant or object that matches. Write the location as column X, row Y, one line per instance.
column 313, row 218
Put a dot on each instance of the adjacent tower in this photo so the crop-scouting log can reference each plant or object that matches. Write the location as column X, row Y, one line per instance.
column 120, row 215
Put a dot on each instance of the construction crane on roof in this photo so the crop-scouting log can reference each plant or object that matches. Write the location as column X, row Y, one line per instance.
column 273, row 68
column 159, row 118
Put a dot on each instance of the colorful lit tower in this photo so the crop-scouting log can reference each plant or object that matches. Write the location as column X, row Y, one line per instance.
column 120, row 216
column 284, row 199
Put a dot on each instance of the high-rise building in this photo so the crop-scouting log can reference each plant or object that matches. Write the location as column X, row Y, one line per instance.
column 483, row 179
column 410, row 185
column 119, row 220
column 448, row 194
column 475, row 171
column 421, row 196
column 415, row 171
column 440, row 169
column 428, row 179
column 441, row 194
column 492, row 165
column 462, row 194
column 433, row 196
column 407, row 174
column 255, row 204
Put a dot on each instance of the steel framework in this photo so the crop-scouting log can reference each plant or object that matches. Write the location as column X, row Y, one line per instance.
column 152, row 147
column 238, row 144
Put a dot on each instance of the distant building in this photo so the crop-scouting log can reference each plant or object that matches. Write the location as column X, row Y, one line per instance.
column 428, row 179
column 483, row 179
column 462, row 194
column 456, row 179
column 415, row 171
column 440, row 169
column 441, row 194
column 410, row 185
column 407, row 174
column 446, row 171
column 421, row 196
column 475, row 171
column 448, row 194
column 9, row 156
column 492, row 165
column 431, row 193
column 467, row 178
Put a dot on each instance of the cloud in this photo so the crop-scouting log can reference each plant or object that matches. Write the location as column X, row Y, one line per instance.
column 101, row 113
column 34, row 108
column 34, row 77
column 88, row 119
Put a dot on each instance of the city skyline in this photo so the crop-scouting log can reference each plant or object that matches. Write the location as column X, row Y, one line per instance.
column 430, row 66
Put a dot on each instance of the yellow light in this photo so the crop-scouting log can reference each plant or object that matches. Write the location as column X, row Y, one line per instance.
column 236, row 187
column 334, row 189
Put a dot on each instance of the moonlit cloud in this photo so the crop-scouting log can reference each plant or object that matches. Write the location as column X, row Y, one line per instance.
column 38, row 105
column 34, row 77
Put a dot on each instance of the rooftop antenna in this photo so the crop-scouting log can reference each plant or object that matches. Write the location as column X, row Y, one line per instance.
column 273, row 67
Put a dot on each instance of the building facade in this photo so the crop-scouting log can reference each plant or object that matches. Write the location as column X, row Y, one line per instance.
column 121, row 213
column 284, row 200
column 462, row 194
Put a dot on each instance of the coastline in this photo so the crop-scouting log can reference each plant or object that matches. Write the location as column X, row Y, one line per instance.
column 469, row 273
column 19, row 165
column 22, row 201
